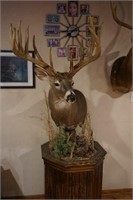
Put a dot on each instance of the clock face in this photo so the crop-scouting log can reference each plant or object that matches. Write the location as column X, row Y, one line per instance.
column 72, row 31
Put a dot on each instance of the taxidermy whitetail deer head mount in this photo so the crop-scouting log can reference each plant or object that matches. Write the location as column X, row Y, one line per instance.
column 121, row 74
column 68, row 106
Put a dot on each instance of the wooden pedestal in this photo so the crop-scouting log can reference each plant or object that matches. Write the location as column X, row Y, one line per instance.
column 73, row 180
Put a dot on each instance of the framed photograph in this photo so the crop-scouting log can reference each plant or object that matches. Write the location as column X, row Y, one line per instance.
column 73, row 8
column 16, row 72
column 53, row 19
column 61, row 52
column 95, row 19
column 61, row 8
column 72, row 52
column 84, row 9
column 52, row 30
column 52, row 42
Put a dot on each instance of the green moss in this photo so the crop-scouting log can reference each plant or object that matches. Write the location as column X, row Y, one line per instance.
column 61, row 146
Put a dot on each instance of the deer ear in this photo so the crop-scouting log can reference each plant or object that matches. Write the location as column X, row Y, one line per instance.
column 40, row 73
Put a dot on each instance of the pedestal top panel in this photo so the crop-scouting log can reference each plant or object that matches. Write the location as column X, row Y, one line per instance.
column 74, row 164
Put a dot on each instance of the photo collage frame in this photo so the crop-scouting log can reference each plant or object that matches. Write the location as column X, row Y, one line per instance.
column 64, row 34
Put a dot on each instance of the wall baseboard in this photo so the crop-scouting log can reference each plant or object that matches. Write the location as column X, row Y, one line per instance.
column 125, row 193
column 40, row 196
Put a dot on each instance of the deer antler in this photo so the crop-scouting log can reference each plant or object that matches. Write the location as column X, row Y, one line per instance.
column 95, row 49
column 22, row 52
column 113, row 9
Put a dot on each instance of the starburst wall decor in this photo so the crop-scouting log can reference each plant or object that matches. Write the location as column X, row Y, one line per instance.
column 68, row 26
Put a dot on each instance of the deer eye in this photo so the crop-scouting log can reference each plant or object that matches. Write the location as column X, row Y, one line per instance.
column 72, row 83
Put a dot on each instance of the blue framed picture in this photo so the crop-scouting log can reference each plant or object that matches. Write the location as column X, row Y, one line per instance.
column 52, row 30
column 53, row 19
column 16, row 72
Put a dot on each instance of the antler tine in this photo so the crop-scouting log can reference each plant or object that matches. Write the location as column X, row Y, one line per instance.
column 37, row 55
column 13, row 38
column 71, row 65
column 113, row 9
column 27, row 41
column 81, row 58
column 11, row 34
column 50, row 57
column 45, row 65
column 17, row 48
column 19, row 34
column 82, row 50
column 95, row 54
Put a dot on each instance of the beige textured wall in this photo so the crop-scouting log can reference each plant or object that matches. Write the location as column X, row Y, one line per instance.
column 23, row 110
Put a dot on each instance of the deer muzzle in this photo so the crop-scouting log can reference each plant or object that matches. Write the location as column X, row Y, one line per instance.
column 70, row 96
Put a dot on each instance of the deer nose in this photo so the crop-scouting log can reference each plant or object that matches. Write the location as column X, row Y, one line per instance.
column 71, row 97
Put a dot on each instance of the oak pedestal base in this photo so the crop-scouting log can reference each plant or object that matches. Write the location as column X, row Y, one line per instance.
column 80, row 179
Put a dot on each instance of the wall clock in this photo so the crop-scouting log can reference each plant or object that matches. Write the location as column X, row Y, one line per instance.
column 67, row 26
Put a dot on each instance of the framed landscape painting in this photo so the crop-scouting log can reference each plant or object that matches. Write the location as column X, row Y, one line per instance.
column 16, row 72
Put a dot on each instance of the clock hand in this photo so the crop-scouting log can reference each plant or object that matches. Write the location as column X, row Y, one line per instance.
column 75, row 29
column 71, row 31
